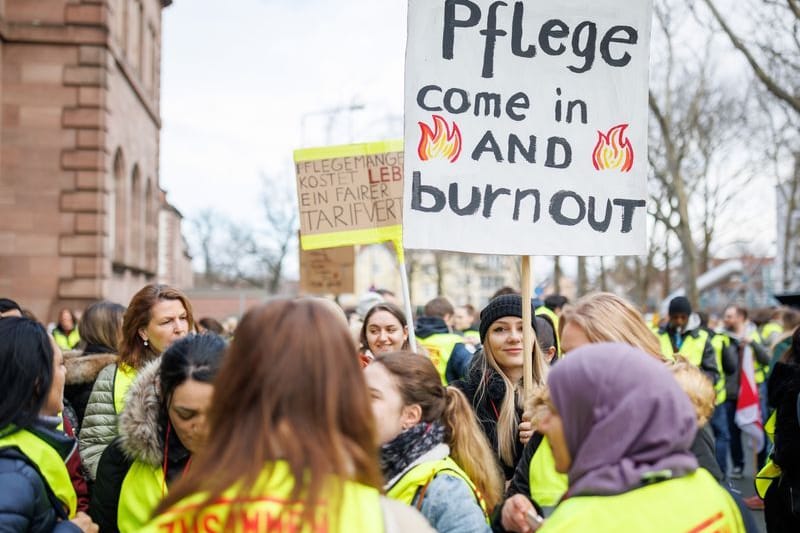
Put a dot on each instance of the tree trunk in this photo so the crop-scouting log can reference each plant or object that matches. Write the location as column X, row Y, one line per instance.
column 557, row 274
column 439, row 262
column 689, row 260
column 603, row 285
column 790, row 233
column 667, row 267
column 582, row 281
column 639, row 278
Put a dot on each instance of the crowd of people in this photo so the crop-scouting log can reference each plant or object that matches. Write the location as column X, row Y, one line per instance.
column 310, row 418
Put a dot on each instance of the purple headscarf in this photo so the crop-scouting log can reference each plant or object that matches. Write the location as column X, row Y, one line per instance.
column 625, row 419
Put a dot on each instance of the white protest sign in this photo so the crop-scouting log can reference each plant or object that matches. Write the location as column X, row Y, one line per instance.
column 526, row 126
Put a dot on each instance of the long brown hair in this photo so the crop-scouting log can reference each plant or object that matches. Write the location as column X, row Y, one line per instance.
column 132, row 350
column 287, row 393
column 419, row 384
column 101, row 325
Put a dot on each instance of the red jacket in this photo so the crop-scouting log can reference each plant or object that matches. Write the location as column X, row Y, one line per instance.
column 75, row 469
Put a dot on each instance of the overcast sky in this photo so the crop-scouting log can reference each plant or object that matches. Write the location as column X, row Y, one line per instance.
column 244, row 86
column 245, row 83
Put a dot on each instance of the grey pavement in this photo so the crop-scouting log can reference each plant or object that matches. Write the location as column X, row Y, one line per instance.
column 746, row 485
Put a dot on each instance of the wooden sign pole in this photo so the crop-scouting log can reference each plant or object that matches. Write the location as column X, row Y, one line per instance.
column 527, row 329
column 401, row 263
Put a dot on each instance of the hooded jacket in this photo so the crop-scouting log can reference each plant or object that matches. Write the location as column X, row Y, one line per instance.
column 82, row 372
column 26, row 504
column 784, row 390
column 708, row 361
column 460, row 357
column 141, row 439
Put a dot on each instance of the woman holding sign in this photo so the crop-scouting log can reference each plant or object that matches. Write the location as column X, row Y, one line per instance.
column 494, row 383
column 293, row 440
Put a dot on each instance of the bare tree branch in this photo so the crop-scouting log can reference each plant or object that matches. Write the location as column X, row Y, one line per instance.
column 769, row 82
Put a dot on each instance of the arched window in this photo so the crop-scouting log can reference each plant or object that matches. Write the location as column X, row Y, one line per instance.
column 137, row 219
column 119, row 231
column 151, row 226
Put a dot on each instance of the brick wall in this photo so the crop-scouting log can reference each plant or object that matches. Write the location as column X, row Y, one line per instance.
column 79, row 88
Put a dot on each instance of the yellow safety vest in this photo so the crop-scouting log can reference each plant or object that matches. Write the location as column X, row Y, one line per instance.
column 692, row 347
column 544, row 310
column 50, row 464
column 759, row 369
column 140, row 494
column 267, row 508
column 720, row 343
column 419, row 477
column 124, row 377
column 547, row 486
column 440, row 347
column 771, row 328
column 473, row 334
column 694, row 503
column 771, row 471
column 67, row 342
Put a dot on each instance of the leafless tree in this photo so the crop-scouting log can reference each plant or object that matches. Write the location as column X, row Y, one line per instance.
column 206, row 232
column 770, row 43
column 280, row 228
column 238, row 253
column 692, row 138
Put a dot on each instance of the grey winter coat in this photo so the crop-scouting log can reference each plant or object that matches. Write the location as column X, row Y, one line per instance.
column 141, row 438
column 99, row 421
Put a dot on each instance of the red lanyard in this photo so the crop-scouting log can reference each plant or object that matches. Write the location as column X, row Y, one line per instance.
column 166, row 456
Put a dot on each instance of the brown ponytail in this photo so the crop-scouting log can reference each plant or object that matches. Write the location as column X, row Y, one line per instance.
column 419, row 384
column 470, row 448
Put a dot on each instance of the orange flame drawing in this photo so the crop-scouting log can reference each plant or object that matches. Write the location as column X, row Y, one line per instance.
column 441, row 141
column 613, row 150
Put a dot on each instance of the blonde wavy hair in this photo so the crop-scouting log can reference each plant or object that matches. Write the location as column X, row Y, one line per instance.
column 507, row 420
column 605, row 317
column 697, row 386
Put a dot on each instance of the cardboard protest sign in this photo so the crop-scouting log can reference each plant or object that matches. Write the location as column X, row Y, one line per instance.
column 350, row 194
column 328, row 270
column 526, row 126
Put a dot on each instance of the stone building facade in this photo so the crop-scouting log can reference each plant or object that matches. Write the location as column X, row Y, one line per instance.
column 80, row 200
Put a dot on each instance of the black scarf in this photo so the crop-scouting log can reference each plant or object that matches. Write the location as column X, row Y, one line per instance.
column 409, row 446
column 97, row 349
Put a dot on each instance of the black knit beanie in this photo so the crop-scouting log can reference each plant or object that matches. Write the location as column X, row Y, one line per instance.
column 505, row 305
column 680, row 306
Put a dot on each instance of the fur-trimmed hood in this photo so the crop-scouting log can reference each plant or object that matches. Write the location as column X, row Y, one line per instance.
column 85, row 368
column 139, row 430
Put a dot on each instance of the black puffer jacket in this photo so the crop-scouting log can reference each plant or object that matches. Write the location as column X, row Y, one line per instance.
column 82, row 371
column 487, row 403
column 783, row 390
column 26, row 504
